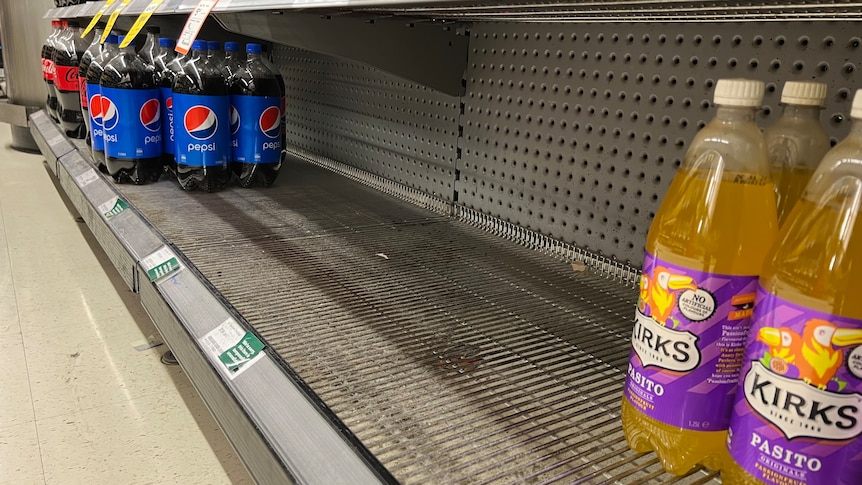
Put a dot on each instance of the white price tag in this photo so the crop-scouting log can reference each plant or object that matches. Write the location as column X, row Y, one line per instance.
column 56, row 139
column 231, row 348
column 193, row 25
column 87, row 178
column 161, row 263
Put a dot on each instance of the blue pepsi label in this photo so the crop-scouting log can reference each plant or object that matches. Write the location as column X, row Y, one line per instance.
column 97, row 132
column 168, row 120
column 201, row 130
column 255, row 126
column 132, row 122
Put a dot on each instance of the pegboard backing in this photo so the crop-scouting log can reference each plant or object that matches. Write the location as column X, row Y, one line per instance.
column 361, row 116
column 575, row 131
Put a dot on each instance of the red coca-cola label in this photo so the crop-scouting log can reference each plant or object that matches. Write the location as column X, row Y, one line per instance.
column 82, row 90
column 66, row 78
column 47, row 69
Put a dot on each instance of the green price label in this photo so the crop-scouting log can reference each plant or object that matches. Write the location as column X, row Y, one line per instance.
column 241, row 353
column 117, row 208
column 163, row 269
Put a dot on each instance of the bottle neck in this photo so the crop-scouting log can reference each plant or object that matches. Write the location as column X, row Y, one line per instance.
column 253, row 56
column 800, row 111
column 129, row 49
column 97, row 35
column 735, row 114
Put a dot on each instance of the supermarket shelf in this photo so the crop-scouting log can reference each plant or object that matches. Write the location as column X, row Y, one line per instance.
column 304, row 445
column 451, row 354
column 520, row 11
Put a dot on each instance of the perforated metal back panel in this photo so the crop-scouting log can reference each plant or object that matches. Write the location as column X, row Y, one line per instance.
column 571, row 130
column 576, row 131
column 369, row 119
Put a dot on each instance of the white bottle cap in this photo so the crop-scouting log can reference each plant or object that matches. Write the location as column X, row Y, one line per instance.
column 856, row 110
column 738, row 92
column 803, row 93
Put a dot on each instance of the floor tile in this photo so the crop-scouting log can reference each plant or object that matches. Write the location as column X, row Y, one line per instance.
column 74, row 369
column 16, row 407
column 135, row 442
column 20, row 461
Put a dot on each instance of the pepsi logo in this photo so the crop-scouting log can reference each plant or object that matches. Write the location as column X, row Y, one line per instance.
column 200, row 122
column 234, row 120
column 169, row 103
column 270, row 122
column 110, row 114
column 151, row 115
column 96, row 109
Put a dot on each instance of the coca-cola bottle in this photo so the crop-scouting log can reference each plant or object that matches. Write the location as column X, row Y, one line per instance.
column 68, row 51
column 48, row 69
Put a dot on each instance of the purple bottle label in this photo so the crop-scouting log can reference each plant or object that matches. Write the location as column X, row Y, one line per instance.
column 687, row 344
column 797, row 418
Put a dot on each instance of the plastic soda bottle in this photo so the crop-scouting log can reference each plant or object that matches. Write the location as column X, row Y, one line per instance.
column 796, row 142
column 798, row 412
column 704, row 253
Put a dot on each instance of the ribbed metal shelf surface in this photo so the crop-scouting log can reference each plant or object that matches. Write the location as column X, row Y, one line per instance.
column 453, row 355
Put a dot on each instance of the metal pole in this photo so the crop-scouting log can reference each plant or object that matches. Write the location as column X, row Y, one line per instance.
column 22, row 33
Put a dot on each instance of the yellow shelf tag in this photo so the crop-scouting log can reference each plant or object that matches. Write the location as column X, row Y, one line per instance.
column 113, row 19
column 97, row 17
column 193, row 25
column 139, row 24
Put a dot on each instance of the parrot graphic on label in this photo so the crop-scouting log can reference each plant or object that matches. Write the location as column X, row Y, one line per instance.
column 659, row 293
column 818, row 359
column 785, row 345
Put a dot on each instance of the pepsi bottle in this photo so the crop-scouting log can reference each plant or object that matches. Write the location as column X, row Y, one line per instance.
column 214, row 53
column 94, row 94
column 93, row 51
column 167, row 66
column 255, row 122
column 48, row 70
column 131, row 117
column 150, row 49
column 232, row 60
column 68, row 51
column 278, row 77
column 201, row 123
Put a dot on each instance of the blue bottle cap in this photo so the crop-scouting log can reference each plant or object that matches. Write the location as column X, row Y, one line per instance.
column 214, row 45
column 253, row 48
column 231, row 46
column 199, row 45
column 165, row 42
column 113, row 39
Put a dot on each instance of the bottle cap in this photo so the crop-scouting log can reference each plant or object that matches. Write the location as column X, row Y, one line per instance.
column 113, row 39
column 253, row 48
column 165, row 42
column 101, row 25
column 121, row 38
column 74, row 24
column 153, row 29
column 64, row 24
column 199, row 45
column 214, row 45
column 856, row 110
column 231, row 46
column 803, row 93
column 738, row 92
